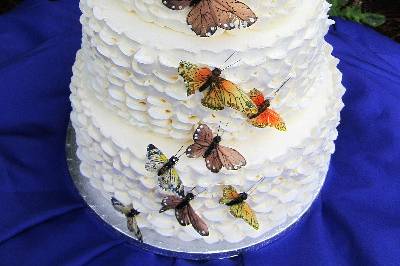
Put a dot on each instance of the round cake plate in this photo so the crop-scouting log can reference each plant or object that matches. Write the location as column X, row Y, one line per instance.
column 156, row 243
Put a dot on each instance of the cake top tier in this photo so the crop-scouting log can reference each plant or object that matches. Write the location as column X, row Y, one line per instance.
column 226, row 14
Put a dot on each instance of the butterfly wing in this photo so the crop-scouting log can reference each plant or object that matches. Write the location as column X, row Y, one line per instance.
column 207, row 16
column 193, row 76
column 119, row 206
column 169, row 203
column 182, row 216
column 229, row 194
column 176, row 4
column 230, row 14
column 170, row 181
column 257, row 97
column 134, row 228
column 198, row 224
column 243, row 210
column 202, row 138
column 267, row 118
column 224, row 93
column 155, row 159
column 213, row 162
column 201, row 19
column 230, row 158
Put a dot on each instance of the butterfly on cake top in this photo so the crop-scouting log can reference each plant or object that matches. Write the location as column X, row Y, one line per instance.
column 206, row 16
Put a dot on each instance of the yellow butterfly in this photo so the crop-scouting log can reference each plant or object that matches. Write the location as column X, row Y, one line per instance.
column 221, row 92
column 238, row 206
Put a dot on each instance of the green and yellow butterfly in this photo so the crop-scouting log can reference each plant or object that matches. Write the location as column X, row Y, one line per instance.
column 168, row 178
column 238, row 206
column 221, row 92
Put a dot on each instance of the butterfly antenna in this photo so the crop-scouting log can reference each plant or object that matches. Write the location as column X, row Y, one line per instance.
column 232, row 64
column 219, row 128
column 251, row 190
column 283, row 84
column 201, row 192
column 223, row 132
column 178, row 152
column 229, row 57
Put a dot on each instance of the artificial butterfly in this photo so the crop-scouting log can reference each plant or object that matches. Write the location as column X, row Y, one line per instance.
column 207, row 15
column 215, row 155
column 130, row 214
column 184, row 212
column 238, row 206
column 221, row 92
column 168, row 178
column 265, row 115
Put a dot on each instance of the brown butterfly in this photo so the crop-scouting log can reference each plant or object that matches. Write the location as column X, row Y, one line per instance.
column 216, row 155
column 207, row 15
column 184, row 212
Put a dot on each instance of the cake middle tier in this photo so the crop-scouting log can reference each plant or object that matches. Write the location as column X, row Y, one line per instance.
column 134, row 71
column 266, row 152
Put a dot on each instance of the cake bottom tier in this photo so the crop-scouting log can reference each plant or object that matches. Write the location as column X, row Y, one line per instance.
column 112, row 155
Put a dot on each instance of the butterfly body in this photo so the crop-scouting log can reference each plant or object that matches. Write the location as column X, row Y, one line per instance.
column 216, row 156
column 168, row 165
column 263, row 107
column 185, row 201
column 194, row 2
column 214, row 78
column 241, row 198
column 130, row 214
column 238, row 206
column 168, row 178
column 214, row 144
column 265, row 116
column 220, row 93
column 184, row 213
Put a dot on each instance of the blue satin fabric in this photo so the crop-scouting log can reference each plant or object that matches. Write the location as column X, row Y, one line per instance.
column 43, row 220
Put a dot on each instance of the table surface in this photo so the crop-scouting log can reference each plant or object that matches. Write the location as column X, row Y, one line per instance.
column 44, row 221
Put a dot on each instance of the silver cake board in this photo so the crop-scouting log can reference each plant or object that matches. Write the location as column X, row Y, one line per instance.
column 101, row 206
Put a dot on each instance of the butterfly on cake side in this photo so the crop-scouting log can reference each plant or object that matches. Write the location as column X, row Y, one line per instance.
column 130, row 214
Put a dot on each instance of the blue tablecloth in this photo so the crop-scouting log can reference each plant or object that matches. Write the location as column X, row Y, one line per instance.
column 43, row 221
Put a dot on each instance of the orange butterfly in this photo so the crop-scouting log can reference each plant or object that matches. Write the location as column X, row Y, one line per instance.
column 221, row 92
column 265, row 116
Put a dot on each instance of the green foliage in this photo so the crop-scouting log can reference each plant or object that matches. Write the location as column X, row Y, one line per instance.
column 353, row 11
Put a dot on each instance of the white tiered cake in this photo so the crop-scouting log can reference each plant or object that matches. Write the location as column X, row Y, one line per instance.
column 127, row 94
